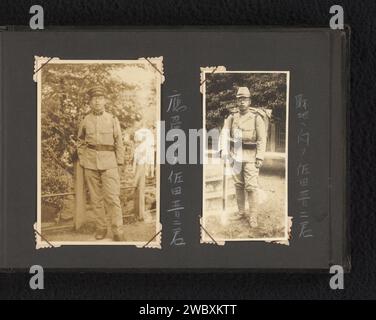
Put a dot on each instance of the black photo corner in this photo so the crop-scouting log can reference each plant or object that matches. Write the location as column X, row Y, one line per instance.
column 214, row 151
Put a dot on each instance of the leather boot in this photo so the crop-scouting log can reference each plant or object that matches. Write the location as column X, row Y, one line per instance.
column 240, row 199
column 252, row 203
column 100, row 234
column 118, row 237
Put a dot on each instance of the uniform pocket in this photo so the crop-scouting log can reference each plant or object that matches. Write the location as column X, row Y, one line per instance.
column 106, row 136
column 249, row 135
column 90, row 132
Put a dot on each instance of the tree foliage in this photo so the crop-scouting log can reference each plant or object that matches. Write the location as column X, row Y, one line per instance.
column 268, row 90
column 65, row 103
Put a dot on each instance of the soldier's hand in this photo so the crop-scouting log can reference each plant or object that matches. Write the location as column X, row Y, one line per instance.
column 258, row 163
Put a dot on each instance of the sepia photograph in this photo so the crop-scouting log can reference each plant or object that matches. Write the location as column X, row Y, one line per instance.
column 98, row 178
column 245, row 115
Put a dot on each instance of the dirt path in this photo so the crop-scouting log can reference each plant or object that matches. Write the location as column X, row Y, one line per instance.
column 271, row 215
column 138, row 231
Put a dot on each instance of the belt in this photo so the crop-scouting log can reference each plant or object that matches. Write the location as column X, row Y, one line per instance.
column 249, row 146
column 101, row 147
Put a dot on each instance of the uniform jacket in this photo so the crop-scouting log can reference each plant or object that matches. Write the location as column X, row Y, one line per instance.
column 100, row 130
column 251, row 128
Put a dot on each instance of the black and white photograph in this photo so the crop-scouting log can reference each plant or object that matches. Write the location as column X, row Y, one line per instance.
column 245, row 116
column 98, row 178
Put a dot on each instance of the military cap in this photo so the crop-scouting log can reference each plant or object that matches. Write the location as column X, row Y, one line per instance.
column 96, row 91
column 243, row 92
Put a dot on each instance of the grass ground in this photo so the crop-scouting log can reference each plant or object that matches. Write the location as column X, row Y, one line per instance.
column 137, row 231
column 271, row 215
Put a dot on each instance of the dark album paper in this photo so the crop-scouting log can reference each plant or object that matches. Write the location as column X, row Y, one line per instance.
column 163, row 149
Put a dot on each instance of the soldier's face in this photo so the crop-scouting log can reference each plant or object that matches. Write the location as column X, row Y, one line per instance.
column 98, row 103
column 243, row 104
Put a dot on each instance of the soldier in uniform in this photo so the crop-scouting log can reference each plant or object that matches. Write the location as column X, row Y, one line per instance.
column 248, row 127
column 101, row 152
